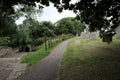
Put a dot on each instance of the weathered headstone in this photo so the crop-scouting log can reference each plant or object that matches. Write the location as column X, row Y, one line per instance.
column 90, row 35
column 117, row 33
column 93, row 35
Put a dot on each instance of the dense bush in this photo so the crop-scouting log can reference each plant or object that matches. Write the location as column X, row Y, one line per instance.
column 4, row 41
column 66, row 36
column 38, row 41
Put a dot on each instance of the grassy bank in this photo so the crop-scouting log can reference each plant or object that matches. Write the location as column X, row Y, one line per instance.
column 87, row 59
column 37, row 55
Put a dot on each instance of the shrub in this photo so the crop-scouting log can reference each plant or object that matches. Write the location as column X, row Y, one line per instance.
column 66, row 36
column 4, row 41
column 38, row 41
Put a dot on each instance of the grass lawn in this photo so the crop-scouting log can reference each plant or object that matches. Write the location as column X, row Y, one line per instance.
column 87, row 59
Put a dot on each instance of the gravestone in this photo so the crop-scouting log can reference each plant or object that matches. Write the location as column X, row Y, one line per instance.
column 85, row 34
column 90, row 35
column 117, row 35
column 94, row 35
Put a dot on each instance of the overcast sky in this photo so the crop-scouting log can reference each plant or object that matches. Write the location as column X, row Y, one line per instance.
column 51, row 14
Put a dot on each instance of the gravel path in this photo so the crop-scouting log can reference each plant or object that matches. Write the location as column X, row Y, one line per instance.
column 47, row 68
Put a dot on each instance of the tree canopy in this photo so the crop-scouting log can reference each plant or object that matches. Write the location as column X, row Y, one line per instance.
column 68, row 26
column 103, row 15
column 9, row 28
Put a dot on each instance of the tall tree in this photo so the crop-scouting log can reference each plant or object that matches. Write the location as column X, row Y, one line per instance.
column 27, row 11
column 100, row 15
column 7, row 27
column 47, row 29
column 69, row 26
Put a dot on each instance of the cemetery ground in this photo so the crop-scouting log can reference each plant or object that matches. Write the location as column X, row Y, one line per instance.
column 87, row 59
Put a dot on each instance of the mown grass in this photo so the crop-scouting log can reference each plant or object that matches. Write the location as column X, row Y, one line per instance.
column 33, row 58
column 87, row 59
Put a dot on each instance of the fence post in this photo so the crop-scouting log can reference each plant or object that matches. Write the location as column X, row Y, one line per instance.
column 45, row 43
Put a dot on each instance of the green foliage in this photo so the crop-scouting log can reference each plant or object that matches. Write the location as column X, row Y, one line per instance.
column 66, row 36
column 38, row 41
column 7, row 27
column 34, row 32
column 24, row 35
column 4, row 41
column 48, row 29
column 97, row 14
column 68, row 26
column 28, row 11
column 21, row 34
column 42, row 29
column 8, row 30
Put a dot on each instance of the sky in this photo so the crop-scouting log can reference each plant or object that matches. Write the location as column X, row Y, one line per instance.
column 51, row 14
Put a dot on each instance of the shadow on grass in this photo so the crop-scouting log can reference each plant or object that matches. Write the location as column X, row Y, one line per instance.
column 96, row 61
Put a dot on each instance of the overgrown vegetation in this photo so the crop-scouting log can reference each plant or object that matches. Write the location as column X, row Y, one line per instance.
column 87, row 59
column 102, row 15
column 69, row 26
column 35, row 33
column 32, row 32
